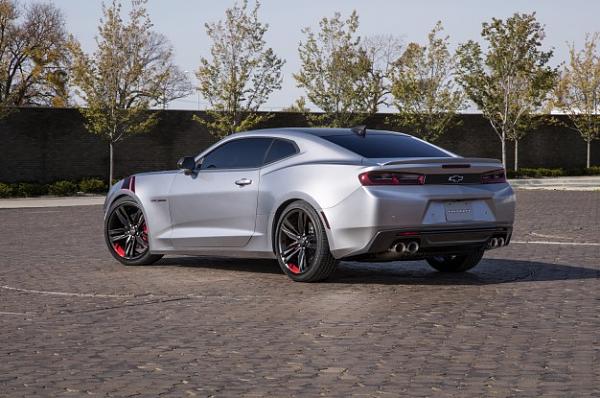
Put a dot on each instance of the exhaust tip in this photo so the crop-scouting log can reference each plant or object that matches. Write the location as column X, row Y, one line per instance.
column 493, row 243
column 399, row 247
column 500, row 242
column 412, row 247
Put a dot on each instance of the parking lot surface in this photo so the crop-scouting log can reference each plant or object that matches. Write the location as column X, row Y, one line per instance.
column 525, row 322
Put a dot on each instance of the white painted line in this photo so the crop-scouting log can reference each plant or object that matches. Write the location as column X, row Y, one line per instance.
column 544, row 242
column 550, row 236
column 67, row 294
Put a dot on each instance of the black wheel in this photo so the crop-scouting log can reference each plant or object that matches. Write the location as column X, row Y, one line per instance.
column 126, row 233
column 301, row 244
column 458, row 263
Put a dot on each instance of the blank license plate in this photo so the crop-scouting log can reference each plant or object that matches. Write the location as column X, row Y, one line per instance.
column 458, row 211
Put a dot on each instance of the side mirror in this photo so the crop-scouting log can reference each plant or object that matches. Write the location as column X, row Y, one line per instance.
column 187, row 164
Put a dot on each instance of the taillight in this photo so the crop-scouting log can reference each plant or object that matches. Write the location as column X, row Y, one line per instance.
column 383, row 178
column 493, row 177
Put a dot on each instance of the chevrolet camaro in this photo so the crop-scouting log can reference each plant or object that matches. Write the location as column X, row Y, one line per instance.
column 310, row 197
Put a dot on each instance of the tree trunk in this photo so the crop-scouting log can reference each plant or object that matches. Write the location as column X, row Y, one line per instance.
column 516, row 155
column 589, row 154
column 503, row 140
column 110, row 165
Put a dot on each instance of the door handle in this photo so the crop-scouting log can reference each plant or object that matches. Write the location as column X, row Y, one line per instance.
column 243, row 181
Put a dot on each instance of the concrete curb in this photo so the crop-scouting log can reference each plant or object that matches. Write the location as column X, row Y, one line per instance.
column 51, row 202
column 585, row 183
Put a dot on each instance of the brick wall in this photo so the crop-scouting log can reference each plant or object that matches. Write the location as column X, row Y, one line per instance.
column 44, row 145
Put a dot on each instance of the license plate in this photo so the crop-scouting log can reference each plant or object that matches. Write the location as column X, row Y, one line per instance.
column 458, row 211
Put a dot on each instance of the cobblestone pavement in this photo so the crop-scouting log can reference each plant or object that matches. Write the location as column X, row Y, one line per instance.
column 526, row 322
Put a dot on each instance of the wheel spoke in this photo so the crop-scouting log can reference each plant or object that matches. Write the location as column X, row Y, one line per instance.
column 140, row 243
column 118, row 238
column 290, row 234
column 302, row 259
column 130, row 247
column 123, row 216
column 290, row 227
column 301, row 223
column 287, row 258
column 290, row 249
column 117, row 231
column 140, row 220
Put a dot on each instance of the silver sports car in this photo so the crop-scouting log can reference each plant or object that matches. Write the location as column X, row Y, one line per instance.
column 312, row 197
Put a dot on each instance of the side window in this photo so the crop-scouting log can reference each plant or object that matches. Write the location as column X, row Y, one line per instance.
column 279, row 150
column 243, row 153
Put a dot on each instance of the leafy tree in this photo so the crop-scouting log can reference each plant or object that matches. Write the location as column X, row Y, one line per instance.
column 336, row 73
column 241, row 74
column 382, row 51
column 34, row 56
column 578, row 91
column 124, row 77
column 423, row 88
column 299, row 106
column 511, row 81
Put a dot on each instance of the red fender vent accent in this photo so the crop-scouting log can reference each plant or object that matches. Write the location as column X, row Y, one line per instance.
column 129, row 183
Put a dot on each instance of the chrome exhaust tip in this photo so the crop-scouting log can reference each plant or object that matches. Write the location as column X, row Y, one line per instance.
column 412, row 247
column 500, row 242
column 493, row 243
column 399, row 247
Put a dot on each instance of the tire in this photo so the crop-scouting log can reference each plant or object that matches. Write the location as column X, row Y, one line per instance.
column 459, row 263
column 128, row 244
column 295, row 235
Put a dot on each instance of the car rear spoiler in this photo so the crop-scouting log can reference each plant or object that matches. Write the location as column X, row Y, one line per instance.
column 449, row 162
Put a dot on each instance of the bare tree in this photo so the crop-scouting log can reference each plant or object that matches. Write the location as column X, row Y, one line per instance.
column 34, row 56
column 383, row 51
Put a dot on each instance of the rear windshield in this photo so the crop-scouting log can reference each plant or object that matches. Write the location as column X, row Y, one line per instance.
column 386, row 146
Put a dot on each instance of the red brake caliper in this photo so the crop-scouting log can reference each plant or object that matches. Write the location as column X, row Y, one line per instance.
column 294, row 268
column 119, row 249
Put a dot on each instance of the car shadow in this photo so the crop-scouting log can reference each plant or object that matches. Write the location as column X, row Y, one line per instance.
column 489, row 271
column 264, row 266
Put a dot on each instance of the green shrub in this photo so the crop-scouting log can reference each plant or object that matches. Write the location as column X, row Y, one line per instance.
column 592, row 171
column 27, row 189
column 5, row 190
column 92, row 185
column 62, row 188
column 537, row 172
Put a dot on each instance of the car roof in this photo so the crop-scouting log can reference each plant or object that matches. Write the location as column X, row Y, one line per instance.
column 323, row 132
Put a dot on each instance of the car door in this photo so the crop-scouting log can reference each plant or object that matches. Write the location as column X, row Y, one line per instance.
column 216, row 206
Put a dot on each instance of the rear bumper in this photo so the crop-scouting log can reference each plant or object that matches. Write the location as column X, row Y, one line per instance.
column 433, row 241
column 369, row 220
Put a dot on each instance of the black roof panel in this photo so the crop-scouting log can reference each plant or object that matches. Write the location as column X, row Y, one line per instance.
column 322, row 132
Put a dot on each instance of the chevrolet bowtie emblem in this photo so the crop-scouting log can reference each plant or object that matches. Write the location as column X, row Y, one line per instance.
column 455, row 179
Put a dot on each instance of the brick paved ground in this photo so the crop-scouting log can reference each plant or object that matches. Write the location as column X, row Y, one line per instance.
column 526, row 322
